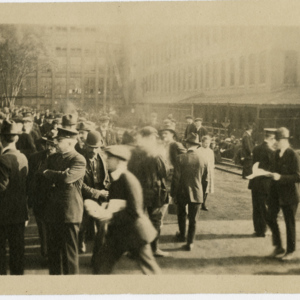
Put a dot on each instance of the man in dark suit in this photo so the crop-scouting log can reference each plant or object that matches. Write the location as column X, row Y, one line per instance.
column 13, row 203
column 109, row 136
column 37, row 188
column 64, row 209
column 191, row 127
column 247, row 148
column 186, row 189
column 129, row 228
column 285, row 192
column 149, row 168
column 260, row 186
column 200, row 130
column 96, row 180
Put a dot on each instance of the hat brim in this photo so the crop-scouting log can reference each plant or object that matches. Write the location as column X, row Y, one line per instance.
column 167, row 129
column 95, row 145
column 68, row 130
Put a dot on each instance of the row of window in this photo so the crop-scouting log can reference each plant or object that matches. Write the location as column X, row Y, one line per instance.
column 196, row 39
column 233, row 72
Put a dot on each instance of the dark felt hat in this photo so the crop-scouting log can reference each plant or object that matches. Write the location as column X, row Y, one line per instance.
column 192, row 138
column 128, row 137
column 9, row 128
column 270, row 130
column 94, row 139
column 168, row 127
column 120, row 151
column 49, row 137
column 282, row 133
column 68, row 128
column 104, row 118
column 189, row 117
column 27, row 117
column 83, row 126
column 147, row 131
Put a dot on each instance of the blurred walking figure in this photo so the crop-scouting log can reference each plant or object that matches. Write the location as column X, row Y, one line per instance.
column 147, row 165
column 247, row 148
column 285, row 191
column 260, row 186
column 208, row 177
column 187, row 189
column 13, row 203
column 129, row 229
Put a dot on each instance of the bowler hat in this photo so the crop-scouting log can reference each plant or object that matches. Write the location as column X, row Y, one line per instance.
column 147, row 131
column 9, row 128
column 282, row 133
column 120, row 151
column 192, row 138
column 94, row 139
column 198, row 120
column 168, row 127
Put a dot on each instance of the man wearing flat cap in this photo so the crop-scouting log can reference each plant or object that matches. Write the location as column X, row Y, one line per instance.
column 247, row 151
column 200, row 130
column 13, row 202
column 65, row 171
column 191, row 127
column 96, row 180
column 263, row 155
column 109, row 136
column 284, row 195
column 129, row 229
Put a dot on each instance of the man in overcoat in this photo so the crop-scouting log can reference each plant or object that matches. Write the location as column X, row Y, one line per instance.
column 285, row 193
column 186, row 189
column 65, row 171
column 13, row 202
column 247, row 149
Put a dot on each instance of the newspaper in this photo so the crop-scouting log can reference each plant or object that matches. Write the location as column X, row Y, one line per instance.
column 257, row 172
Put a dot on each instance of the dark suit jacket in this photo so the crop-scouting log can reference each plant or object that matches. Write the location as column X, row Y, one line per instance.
column 287, row 189
column 175, row 150
column 189, row 129
column 186, row 183
column 26, row 144
column 131, row 227
column 151, row 173
column 88, row 187
column 265, row 156
column 247, row 145
column 13, row 173
column 201, row 132
column 65, row 202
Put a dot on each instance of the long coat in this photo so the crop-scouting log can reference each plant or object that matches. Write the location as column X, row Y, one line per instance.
column 186, row 184
column 287, row 189
column 247, row 145
column 131, row 227
column 65, row 202
column 265, row 156
column 88, row 187
column 13, row 173
column 190, row 128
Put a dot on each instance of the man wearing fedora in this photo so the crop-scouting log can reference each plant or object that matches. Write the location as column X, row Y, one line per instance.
column 96, row 181
column 13, row 202
column 83, row 128
column 129, row 229
column 65, row 171
column 47, row 126
column 109, row 136
column 263, row 154
column 284, row 195
column 186, row 189
column 37, row 187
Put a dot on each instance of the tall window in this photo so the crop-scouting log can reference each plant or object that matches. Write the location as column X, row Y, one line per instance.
column 232, row 72
column 207, row 75
column 189, row 77
column 195, row 77
column 290, row 67
column 223, row 73
column 242, row 70
column 262, row 68
column 251, row 69
column 214, row 74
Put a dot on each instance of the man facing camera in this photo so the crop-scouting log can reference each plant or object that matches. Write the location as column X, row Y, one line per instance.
column 65, row 171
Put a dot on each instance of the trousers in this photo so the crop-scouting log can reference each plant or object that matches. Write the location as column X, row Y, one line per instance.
column 62, row 242
column 259, row 211
column 289, row 213
column 193, row 211
column 14, row 234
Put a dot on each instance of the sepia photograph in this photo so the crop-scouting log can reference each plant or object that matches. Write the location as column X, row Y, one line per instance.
column 150, row 138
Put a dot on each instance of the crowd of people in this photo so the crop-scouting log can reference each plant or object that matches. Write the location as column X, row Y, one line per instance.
column 84, row 181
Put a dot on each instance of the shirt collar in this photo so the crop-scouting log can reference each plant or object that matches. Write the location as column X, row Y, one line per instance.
column 281, row 151
column 115, row 175
column 9, row 147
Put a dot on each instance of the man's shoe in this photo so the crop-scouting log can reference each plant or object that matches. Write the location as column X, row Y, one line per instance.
column 203, row 207
column 278, row 251
column 255, row 234
column 179, row 237
column 160, row 253
column 188, row 247
column 82, row 248
column 288, row 256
